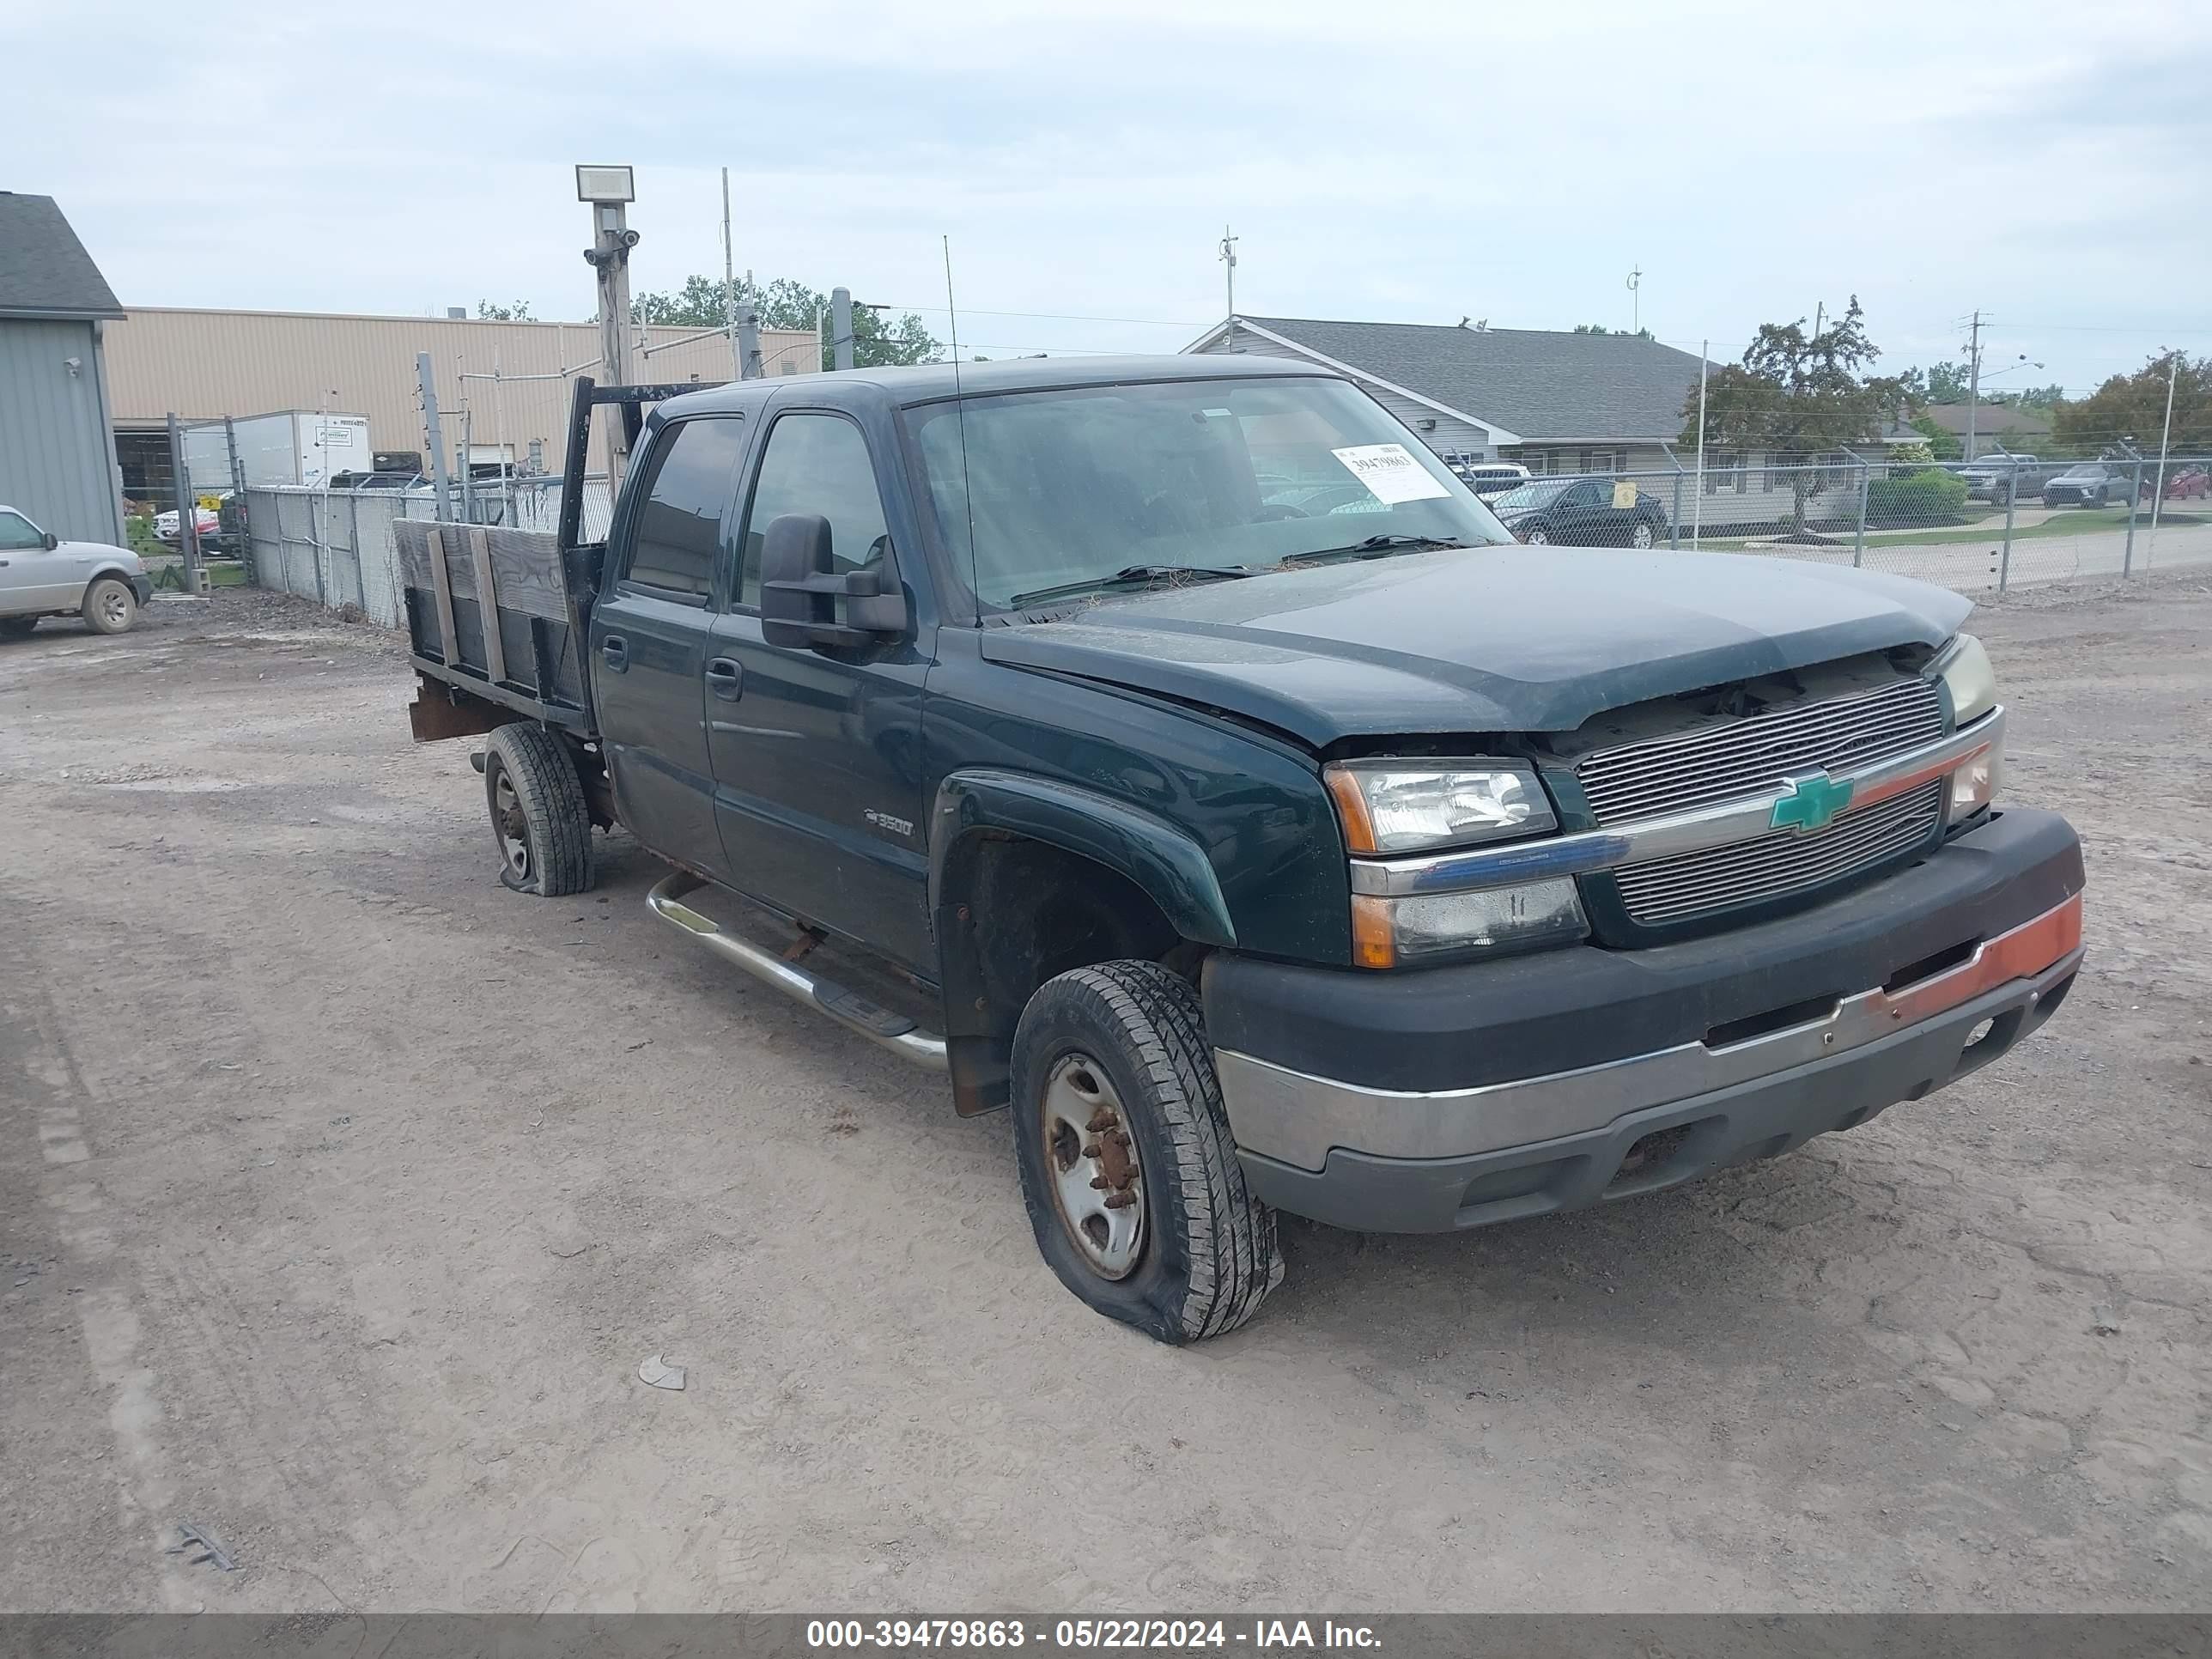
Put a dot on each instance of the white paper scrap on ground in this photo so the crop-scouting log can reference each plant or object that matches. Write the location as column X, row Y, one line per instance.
column 1390, row 473
column 660, row 1375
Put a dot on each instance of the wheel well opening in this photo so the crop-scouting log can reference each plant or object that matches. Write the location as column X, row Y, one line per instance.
column 1014, row 913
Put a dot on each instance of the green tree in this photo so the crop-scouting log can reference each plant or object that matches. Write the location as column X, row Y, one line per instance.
column 1941, row 445
column 878, row 343
column 517, row 312
column 1600, row 328
column 2133, row 406
column 1797, row 397
column 1938, row 383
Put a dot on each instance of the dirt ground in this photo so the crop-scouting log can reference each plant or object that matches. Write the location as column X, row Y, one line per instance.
column 342, row 1192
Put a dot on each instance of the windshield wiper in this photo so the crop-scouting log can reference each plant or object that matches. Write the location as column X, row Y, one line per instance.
column 1133, row 575
column 1375, row 546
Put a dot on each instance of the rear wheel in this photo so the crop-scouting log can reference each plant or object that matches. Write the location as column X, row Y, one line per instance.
column 1537, row 536
column 1127, row 1165
column 1642, row 536
column 110, row 607
column 537, row 812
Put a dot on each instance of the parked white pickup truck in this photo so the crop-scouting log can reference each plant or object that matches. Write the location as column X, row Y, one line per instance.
column 42, row 575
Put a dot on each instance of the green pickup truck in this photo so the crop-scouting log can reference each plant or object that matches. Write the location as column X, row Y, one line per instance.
column 1243, row 808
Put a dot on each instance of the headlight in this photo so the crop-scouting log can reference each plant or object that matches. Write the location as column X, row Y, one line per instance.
column 1389, row 932
column 1974, row 785
column 1965, row 671
column 1406, row 806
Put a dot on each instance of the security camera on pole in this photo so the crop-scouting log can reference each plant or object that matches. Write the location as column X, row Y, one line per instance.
column 610, row 190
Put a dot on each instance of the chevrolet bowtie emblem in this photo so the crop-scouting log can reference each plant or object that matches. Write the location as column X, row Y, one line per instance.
column 1813, row 800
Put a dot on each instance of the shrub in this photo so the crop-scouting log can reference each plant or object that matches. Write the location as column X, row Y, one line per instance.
column 1929, row 497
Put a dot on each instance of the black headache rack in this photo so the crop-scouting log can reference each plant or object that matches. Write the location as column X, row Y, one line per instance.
column 498, row 618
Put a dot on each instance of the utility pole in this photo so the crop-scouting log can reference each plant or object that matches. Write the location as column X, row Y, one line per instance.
column 610, row 190
column 2165, row 440
column 188, row 509
column 730, row 285
column 433, row 435
column 1636, row 300
column 840, row 327
column 1227, row 258
column 1973, row 381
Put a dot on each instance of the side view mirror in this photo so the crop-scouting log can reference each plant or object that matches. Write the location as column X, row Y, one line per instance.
column 51, row 540
column 800, row 586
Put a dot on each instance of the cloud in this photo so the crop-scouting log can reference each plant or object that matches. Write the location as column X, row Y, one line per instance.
column 1404, row 163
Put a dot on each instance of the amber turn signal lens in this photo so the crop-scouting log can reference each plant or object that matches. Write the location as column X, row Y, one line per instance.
column 1374, row 935
column 1351, row 808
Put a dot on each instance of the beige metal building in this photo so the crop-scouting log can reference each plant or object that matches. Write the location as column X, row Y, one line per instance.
column 205, row 364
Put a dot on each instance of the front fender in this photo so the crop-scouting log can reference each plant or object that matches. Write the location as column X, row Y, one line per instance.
column 1166, row 862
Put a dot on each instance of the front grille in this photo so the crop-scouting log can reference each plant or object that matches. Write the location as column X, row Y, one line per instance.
column 1726, row 762
column 1672, row 890
column 1730, row 760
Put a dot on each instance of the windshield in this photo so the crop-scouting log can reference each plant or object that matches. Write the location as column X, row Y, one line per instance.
column 2083, row 473
column 1540, row 493
column 1085, row 487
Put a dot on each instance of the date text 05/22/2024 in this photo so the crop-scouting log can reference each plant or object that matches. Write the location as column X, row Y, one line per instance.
column 1252, row 1636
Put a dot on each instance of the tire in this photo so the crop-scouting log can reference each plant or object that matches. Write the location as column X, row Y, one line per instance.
column 1643, row 535
column 537, row 812
column 109, row 607
column 17, row 628
column 1203, row 1256
column 1538, row 536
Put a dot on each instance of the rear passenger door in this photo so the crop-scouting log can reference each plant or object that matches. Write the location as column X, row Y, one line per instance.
column 650, row 634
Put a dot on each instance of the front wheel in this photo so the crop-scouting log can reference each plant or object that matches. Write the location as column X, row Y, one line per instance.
column 1538, row 536
column 110, row 607
column 1128, row 1166
column 537, row 812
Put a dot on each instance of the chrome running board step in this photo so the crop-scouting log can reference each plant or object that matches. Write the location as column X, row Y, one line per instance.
column 894, row 1031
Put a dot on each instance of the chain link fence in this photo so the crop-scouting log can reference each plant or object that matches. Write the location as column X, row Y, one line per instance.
column 1994, row 523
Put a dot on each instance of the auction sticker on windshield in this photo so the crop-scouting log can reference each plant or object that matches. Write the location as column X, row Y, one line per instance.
column 1390, row 474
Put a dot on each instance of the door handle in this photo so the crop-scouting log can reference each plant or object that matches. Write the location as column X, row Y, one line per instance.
column 726, row 678
column 616, row 649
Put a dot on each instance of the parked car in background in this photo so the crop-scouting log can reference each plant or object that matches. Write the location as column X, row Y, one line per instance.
column 1490, row 479
column 2090, row 483
column 1579, row 512
column 208, row 521
column 2191, row 483
column 42, row 575
column 2000, row 478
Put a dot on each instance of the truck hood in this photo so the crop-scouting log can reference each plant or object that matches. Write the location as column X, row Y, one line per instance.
column 1488, row 639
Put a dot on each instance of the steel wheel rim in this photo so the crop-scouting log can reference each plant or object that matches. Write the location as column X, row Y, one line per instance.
column 514, row 827
column 1091, row 1157
column 115, row 607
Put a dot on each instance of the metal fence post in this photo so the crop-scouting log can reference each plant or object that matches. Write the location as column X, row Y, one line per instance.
column 188, row 508
column 2012, row 494
column 2135, row 501
column 1675, row 518
column 1859, row 542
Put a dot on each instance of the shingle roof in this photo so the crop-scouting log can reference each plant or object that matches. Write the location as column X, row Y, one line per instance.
column 1989, row 419
column 44, row 269
column 1545, row 387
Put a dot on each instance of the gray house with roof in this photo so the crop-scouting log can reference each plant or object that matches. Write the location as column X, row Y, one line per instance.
column 1556, row 402
column 57, row 438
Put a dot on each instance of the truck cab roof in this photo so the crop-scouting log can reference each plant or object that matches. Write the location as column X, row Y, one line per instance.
column 931, row 382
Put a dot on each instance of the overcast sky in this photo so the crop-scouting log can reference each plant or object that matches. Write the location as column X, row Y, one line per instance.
column 2050, row 164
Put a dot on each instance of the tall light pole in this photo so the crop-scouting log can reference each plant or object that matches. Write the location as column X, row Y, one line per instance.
column 1227, row 258
column 610, row 190
column 1636, row 300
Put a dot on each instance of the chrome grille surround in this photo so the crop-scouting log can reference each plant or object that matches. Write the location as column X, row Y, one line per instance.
column 1689, row 769
column 1685, row 771
column 1689, row 885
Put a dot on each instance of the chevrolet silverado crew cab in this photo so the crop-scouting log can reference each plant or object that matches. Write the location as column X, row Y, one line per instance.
column 1175, row 753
